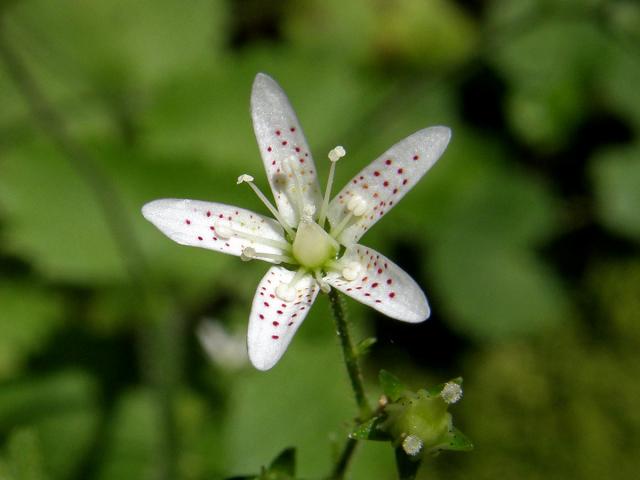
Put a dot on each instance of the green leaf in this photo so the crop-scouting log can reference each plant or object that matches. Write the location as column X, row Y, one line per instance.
column 284, row 463
column 407, row 466
column 484, row 259
column 548, row 67
column 24, row 457
column 616, row 175
column 30, row 315
column 302, row 387
column 391, row 385
column 60, row 406
column 459, row 441
column 364, row 346
column 133, row 448
column 369, row 430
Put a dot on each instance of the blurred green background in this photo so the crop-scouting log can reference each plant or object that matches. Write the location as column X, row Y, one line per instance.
column 525, row 236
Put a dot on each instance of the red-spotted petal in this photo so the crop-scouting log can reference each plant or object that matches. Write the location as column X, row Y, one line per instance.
column 387, row 179
column 283, row 148
column 274, row 321
column 215, row 226
column 381, row 284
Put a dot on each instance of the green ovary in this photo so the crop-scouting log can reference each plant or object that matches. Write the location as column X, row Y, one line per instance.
column 313, row 247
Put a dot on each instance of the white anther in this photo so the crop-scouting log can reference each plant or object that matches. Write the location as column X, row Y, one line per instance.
column 222, row 231
column 244, row 178
column 412, row 445
column 286, row 292
column 337, row 153
column 351, row 271
column 247, row 254
column 308, row 210
column 357, row 205
column 451, row 392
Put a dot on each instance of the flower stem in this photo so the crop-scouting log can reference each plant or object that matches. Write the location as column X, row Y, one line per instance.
column 349, row 354
column 343, row 461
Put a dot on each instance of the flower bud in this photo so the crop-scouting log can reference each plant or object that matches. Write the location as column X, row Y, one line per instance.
column 419, row 423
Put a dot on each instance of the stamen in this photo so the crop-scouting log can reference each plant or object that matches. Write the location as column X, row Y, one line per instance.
column 249, row 253
column 412, row 445
column 249, row 180
column 324, row 286
column 451, row 392
column 223, row 231
column 287, row 291
column 351, row 271
column 357, row 206
column 334, row 155
column 293, row 167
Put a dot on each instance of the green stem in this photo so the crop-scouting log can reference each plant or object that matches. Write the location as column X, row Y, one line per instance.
column 343, row 461
column 349, row 354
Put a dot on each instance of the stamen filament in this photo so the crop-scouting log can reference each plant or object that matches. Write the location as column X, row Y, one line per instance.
column 340, row 227
column 324, row 286
column 250, row 254
column 297, row 277
column 249, row 180
column 269, row 242
column 334, row 156
column 298, row 185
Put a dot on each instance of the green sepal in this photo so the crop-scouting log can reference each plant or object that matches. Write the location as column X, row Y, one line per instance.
column 406, row 465
column 391, row 385
column 283, row 467
column 284, row 463
column 365, row 345
column 458, row 441
column 435, row 390
column 370, row 430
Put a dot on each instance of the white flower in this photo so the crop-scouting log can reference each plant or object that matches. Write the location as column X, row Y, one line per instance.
column 315, row 240
column 227, row 350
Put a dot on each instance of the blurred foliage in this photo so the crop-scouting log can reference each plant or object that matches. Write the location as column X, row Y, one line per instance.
column 525, row 235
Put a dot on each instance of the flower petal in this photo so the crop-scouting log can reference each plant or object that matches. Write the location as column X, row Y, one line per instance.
column 383, row 285
column 208, row 225
column 387, row 179
column 273, row 321
column 283, row 148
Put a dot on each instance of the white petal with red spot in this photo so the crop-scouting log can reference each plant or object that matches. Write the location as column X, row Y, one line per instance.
column 211, row 225
column 283, row 147
column 387, row 179
column 381, row 284
column 274, row 321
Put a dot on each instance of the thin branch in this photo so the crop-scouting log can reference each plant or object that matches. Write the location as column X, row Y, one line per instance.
column 349, row 354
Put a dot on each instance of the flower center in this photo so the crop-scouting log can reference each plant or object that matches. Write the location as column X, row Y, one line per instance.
column 313, row 247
